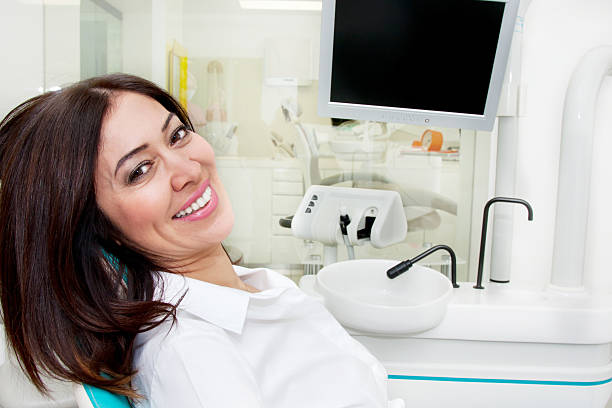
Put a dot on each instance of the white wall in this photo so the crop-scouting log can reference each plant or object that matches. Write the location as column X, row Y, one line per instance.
column 62, row 44
column 225, row 35
column 136, row 31
column 557, row 34
column 39, row 49
column 147, row 28
column 21, row 52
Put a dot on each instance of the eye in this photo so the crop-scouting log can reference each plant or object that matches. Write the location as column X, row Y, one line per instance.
column 179, row 134
column 140, row 170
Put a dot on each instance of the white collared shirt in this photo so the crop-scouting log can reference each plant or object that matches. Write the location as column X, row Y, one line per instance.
column 277, row 348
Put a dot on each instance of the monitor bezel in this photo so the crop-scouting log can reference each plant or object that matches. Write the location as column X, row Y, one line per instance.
column 327, row 108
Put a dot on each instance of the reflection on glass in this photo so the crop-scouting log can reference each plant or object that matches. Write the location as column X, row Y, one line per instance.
column 283, row 147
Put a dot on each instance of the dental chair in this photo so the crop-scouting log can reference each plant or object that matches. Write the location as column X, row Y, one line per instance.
column 92, row 397
column 411, row 197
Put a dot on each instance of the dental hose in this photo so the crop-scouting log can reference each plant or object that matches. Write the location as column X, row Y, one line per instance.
column 344, row 222
column 349, row 247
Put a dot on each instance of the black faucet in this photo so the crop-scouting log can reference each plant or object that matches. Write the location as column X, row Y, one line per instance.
column 483, row 235
column 402, row 267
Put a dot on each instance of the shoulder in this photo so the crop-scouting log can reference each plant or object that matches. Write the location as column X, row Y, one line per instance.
column 195, row 365
column 185, row 349
column 169, row 337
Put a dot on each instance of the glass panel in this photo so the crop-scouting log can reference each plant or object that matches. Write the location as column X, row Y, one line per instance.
column 100, row 32
column 250, row 82
column 253, row 83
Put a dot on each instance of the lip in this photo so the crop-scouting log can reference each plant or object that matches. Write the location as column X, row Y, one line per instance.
column 197, row 194
column 204, row 211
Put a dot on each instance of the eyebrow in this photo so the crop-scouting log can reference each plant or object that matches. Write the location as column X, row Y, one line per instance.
column 130, row 154
column 167, row 122
column 144, row 146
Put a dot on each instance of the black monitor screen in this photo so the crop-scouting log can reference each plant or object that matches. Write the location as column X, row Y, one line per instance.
column 418, row 54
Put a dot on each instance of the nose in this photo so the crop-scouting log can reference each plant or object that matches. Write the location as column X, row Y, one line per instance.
column 183, row 171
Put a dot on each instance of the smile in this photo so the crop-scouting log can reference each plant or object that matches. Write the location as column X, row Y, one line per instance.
column 197, row 204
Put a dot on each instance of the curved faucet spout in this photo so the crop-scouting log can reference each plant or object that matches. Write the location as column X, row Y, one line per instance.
column 402, row 267
column 483, row 235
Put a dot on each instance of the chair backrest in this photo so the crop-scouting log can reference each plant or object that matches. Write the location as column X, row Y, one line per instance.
column 88, row 396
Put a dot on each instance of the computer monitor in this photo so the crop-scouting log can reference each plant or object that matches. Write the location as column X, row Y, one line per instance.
column 425, row 62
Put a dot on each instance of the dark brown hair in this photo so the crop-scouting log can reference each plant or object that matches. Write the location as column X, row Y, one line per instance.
column 67, row 311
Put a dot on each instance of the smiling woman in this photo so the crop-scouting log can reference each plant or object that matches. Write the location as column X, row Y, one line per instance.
column 157, row 181
column 66, row 310
column 112, row 271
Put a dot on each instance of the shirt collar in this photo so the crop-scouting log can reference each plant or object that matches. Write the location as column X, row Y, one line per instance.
column 222, row 306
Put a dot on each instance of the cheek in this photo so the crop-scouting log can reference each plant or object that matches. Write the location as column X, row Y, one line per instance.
column 220, row 224
column 201, row 149
column 136, row 214
column 227, row 217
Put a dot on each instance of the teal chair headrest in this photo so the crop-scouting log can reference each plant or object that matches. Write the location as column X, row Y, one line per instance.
column 114, row 261
column 100, row 398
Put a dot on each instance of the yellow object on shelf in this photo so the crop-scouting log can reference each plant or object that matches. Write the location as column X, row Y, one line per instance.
column 177, row 72
column 183, row 82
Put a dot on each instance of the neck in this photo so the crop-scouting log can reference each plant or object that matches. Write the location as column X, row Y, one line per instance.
column 213, row 267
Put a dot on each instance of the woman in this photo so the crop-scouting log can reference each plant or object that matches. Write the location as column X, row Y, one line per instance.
column 112, row 271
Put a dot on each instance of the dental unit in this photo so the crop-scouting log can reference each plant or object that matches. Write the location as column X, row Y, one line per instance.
column 402, row 267
column 350, row 216
column 501, row 346
column 483, row 235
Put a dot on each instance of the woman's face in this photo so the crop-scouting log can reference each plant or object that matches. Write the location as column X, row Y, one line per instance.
column 157, row 182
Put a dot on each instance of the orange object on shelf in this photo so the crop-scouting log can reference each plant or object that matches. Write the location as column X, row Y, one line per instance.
column 431, row 141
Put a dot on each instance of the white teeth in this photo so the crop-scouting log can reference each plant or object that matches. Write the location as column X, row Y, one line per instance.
column 197, row 204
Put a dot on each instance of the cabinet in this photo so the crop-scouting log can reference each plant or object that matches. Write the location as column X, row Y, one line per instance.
column 261, row 192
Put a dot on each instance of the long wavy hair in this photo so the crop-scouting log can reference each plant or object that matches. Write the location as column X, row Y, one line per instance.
column 67, row 310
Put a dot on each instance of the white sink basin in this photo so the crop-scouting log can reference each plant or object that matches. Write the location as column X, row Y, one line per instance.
column 361, row 296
